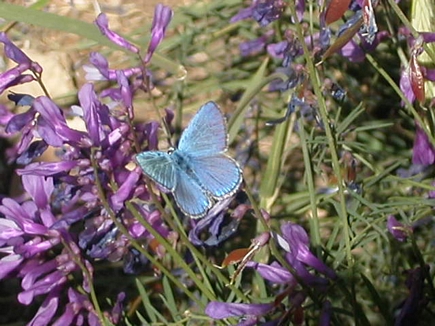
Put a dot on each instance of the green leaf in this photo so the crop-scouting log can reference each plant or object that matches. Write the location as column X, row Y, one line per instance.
column 252, row 89
column 382, row 305
column 169, row 299
column 153, row 314
column 51, row 21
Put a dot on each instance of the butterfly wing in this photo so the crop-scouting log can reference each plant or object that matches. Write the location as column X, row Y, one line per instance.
column 219, row 174
column 159, row 167
column 190, row 197
column 206, row 134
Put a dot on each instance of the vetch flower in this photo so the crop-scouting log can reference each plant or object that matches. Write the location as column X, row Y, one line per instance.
column 17, row 55
column 294, row 240
column 100, row 69
column 423, row 152
column 397, row 229
column 15, row 75
column 267, row 11
column 161, row 20
column 103, row 24
column 255, row 46
column 263, row 11
column 27, row 237
column 296, row 243
column 217, row 226
column 221, row 310
column 412, row 307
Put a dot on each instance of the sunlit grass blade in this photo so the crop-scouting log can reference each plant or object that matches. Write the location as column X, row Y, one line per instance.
column 169, row 300
column 253, row 87
column 153, row 314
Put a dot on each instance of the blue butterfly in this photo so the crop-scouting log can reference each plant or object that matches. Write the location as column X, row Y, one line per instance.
column 198, row 172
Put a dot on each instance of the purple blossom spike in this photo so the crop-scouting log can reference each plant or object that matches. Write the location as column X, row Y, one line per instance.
column 161, row 20
column 286, row 50
column 40, row 189
column 353, row 52
column 99, row 69
column 103, row 24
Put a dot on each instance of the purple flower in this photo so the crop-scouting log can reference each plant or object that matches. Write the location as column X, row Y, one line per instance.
column 103, row 24
column 52, row 125
column 297, row 244
column 61, row 217
column 49, row 169
column 254, row 46
column 161, row 20
column 95, row 114
column 265, row 12
column 217, row 226
column 17, row 55
column 221, row 310
column 414, row 304
column 274, row 273
column 325, row 315
column 397, row 229
column 286, row 50
column 125, row 191
column 423, row 152
column 295, row 77
column 99, row 70
column 15, row 75
column 405, row 86
column 244, row 13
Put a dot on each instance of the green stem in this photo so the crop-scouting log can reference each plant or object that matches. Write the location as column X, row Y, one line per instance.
column 314, row 78
column 314, row 219
column 87, row 275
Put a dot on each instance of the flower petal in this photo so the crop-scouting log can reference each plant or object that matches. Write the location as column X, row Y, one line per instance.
column 221, row 310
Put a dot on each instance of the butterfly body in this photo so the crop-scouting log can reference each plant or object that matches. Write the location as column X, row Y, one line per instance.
column 199, row 171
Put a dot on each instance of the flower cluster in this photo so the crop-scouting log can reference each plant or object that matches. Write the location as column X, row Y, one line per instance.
column 293, row 280
column 41, row 240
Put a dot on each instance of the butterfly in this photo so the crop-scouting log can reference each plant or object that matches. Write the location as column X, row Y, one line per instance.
column 198, row 172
